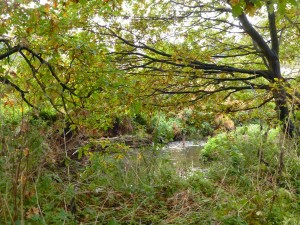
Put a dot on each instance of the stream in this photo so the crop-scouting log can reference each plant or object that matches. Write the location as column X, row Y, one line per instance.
column 185, row 156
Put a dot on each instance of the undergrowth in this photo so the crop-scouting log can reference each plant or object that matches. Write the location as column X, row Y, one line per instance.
column 46, row 181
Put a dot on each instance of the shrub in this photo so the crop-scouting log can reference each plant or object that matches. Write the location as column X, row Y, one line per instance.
column 165, row 129
column 253, row 192
column 239, row 149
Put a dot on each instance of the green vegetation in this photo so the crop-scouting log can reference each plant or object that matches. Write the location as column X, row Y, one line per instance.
column 47, row 181
column 93, row 92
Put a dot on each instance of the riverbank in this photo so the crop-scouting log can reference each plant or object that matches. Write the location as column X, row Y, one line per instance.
column 222, row 182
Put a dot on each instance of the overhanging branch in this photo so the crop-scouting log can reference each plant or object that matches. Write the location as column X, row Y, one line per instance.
column 4, row 80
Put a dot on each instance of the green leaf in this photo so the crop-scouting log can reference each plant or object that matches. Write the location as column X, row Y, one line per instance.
column 113, row 222
column 281, row 6
column 293, row 2
column 237, row 10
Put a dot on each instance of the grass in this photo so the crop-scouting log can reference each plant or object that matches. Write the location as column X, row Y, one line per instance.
column 42, row 182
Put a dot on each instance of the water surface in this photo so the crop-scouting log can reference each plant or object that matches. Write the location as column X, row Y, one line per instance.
column 185, row 155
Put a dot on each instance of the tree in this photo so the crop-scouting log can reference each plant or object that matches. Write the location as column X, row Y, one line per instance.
column 201, row 49
column 75, row 54
column 49, row 61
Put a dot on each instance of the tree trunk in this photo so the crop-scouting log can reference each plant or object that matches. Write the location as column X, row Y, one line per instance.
column 283, row 111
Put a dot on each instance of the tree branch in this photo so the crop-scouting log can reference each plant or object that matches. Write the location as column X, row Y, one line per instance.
column 273, row 29
column 10, row 52
column 196, row 64
column 256, row 37
column 254, row 107
column 4, row 80
column 52, row 71
column 292, row 22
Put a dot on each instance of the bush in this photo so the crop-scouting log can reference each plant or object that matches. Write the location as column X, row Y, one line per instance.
column 260, row 194
column 165, row 129
column 239, row 150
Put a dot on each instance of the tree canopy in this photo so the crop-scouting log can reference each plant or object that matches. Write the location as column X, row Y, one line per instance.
column 121, row 55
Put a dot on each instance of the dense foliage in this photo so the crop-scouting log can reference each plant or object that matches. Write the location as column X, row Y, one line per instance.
column 118, row 57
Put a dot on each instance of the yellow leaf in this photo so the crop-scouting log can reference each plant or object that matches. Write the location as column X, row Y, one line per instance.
column 47, row 8
column 55, row 3
column 29, row 30
column 26, row 152
column 10, row 103
column 23, row 179
column 234, row 2
column 250, row 9
column 32, row 211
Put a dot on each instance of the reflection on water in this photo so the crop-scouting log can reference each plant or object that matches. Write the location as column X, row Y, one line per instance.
column 185, row 155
